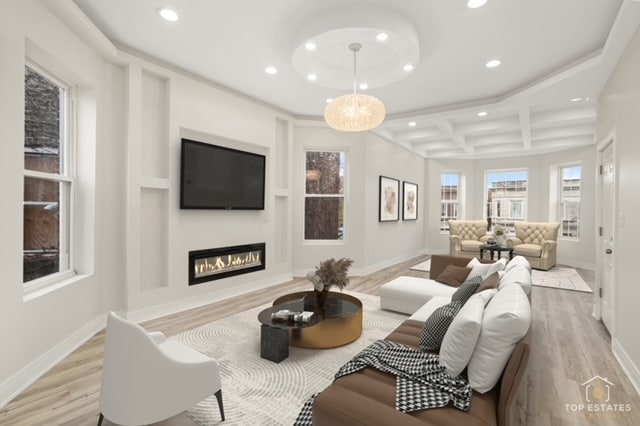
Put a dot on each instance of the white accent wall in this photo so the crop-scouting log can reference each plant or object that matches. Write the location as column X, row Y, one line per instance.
column 619, row 113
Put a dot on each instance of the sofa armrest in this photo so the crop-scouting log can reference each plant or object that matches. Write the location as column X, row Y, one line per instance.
column 549, row 245
column 484, row 238
column 513, row 241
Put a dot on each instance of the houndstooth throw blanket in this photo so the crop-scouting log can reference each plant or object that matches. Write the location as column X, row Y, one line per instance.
column 421, row 382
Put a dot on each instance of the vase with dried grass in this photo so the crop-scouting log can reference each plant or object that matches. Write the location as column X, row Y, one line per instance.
column 328, row 273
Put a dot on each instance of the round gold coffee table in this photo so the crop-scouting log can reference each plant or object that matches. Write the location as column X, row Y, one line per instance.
column 338, row 323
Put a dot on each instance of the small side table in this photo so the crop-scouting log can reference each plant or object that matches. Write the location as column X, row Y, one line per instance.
column 495, row 248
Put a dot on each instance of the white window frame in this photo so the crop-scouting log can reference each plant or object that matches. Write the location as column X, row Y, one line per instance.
column 525, row 209
column 459, row 199
column 344, row 197
column 560, row 201
column 66, row 176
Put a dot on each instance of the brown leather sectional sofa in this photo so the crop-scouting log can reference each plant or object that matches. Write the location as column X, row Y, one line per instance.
column 368, row 396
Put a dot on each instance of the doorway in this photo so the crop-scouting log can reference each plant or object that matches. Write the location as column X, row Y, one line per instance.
column 605, row 256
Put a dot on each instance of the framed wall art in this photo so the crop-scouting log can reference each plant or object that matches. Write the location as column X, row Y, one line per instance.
column 409, row 201
column 389, row 199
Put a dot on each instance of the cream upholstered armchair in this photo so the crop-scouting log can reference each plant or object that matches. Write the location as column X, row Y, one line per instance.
column 466, row 237
column 537, row 242
column 146, row 378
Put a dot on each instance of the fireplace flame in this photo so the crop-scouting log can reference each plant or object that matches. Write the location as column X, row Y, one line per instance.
column 218, row 264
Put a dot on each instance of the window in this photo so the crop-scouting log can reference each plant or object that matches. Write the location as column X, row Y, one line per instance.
column 570, row 178
column 506, row 196
column 324, row 195
column 449, row 199
column 48, row 182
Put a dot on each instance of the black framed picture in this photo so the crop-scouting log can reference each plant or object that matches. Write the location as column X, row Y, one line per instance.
column 409, row 201
column 389, row 199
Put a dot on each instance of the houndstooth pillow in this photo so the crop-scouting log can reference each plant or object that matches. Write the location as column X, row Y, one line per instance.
column 436, row 326
column 466, row 290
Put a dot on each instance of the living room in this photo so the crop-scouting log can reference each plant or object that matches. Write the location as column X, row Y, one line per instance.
column 131, row 239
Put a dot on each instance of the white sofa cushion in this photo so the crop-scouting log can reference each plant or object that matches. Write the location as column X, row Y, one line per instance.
column 518, row 260
column 427, row 309
column 506, row 320
column 518, row 274
column 460, row 341
column 485, row 269
column 408, row 294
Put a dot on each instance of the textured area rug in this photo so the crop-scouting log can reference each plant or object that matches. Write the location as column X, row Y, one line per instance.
column 424, row 266
column 260, row 392
column 563, row 278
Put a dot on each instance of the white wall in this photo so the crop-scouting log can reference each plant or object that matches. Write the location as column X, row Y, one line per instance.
column 371, row 244
column 386, row 243
column 53, row 323
column 575, row 253
column 618, row 112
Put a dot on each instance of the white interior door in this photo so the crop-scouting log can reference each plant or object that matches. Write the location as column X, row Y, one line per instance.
column 605, row 257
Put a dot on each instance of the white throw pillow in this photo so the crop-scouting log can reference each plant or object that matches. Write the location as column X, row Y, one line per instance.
column 459, row 342
column 485, row 269
column 506, row 320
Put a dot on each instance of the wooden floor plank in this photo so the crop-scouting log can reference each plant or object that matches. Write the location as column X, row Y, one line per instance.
column 568, row 347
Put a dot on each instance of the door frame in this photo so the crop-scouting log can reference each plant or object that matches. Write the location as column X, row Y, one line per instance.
column 609, row 139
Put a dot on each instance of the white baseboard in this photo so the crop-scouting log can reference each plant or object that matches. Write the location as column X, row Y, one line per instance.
column 632, row 371
column 384, row 264
column 26, row 376
column 173, row 307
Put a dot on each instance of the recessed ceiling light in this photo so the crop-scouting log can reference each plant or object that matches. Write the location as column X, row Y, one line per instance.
column 382, row 36
column 474, row 4
column 271, row 70
column 408, row 67
column 168, row 14
column 412, row 124
column 310, row 46
column 364, row 86
column 576, row 99
column 312, row 77
column 482, row 114
column 493, row 63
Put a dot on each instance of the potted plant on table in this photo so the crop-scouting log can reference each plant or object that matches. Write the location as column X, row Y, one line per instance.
column 328, row 273
column 499, row 232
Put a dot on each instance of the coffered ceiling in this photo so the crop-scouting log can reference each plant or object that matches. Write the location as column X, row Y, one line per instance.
column 555, row 55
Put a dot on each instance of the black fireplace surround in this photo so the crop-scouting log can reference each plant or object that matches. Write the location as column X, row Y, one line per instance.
column 214, row 264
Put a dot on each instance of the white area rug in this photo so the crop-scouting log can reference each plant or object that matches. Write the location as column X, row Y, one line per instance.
column 563, row 278
column 256, row 391
column 424, row 266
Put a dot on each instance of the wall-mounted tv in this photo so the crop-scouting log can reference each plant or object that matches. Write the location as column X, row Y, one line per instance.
column 217, row 177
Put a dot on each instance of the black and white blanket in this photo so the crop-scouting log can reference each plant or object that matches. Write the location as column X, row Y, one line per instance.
column 421, row 381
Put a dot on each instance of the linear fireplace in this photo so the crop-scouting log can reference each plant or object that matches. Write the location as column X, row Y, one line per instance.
column 216, row 263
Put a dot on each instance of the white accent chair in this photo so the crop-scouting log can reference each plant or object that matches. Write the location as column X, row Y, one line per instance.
column 146, row 378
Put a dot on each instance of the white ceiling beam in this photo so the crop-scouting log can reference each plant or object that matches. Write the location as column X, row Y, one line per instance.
column 495, row 139
column 490, row 126
column 564, row 131
column 525, row 125
column 447, row 128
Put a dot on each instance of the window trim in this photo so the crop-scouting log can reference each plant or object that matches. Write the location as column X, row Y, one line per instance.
column 344, row 196
column 67, row 174
column 460, row 196
column 558, row 216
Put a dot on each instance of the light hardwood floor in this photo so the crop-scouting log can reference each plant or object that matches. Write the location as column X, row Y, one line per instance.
column 568, row 347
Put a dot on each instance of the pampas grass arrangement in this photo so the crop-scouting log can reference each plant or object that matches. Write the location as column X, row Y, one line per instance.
column 331, row 272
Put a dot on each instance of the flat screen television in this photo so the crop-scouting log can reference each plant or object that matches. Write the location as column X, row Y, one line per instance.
column 217, row 177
